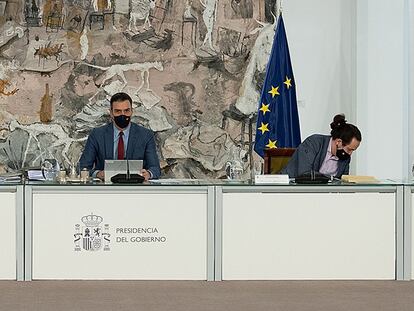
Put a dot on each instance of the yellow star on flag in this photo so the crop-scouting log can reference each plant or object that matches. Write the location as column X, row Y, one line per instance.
column 271, row 144
column 274, row 91
column 265, row 108
column 288, row 82
column 264, row 128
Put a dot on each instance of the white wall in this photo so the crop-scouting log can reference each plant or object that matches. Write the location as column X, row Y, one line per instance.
column 382, row 88
column 356, row 57
column 321, row 36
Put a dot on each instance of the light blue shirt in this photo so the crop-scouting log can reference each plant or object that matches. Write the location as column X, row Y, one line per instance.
column 116, row 138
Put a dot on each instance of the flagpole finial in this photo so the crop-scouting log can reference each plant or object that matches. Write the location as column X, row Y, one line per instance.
column 279, row 8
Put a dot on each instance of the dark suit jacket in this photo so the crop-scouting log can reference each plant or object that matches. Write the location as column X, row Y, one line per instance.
column 310, row 156
column 100, row 147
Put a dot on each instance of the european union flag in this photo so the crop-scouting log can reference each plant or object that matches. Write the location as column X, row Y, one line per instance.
column 278, row 118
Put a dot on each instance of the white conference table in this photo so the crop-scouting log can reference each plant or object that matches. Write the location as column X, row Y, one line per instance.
column 216, row 230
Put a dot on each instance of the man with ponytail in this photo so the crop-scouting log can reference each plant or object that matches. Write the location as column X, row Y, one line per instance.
column 327, row 154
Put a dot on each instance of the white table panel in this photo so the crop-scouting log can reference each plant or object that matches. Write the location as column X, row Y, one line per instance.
column 271, row 236
column 8, row 235
column 180, row 218
column 411, row 231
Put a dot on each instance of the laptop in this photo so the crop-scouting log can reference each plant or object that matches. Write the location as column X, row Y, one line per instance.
column 113, row 167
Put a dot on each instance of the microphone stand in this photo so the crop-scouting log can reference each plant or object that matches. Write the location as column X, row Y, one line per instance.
column 128, row 176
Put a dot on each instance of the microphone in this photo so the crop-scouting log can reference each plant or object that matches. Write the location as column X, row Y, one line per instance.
column 127, row 178
column 128, row 173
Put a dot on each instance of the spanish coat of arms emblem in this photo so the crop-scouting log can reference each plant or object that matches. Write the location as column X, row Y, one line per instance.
column 91, row 235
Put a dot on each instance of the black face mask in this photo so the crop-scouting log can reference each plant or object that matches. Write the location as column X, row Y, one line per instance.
column 342, row 155
column 122, row 121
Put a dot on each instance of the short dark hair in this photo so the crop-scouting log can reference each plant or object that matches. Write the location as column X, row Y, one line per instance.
column 343, row 130
column 120, row 97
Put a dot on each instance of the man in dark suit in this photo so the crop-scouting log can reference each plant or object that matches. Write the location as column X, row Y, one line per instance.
column 328, row 155
column 310, row 156
column 120, row 139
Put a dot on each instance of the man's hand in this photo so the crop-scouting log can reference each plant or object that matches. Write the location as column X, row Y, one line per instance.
column 101, row 175
column 146, row 174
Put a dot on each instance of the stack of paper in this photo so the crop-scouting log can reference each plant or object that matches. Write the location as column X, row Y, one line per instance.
column 359, row 179
column 271, row 179
column 10, row 177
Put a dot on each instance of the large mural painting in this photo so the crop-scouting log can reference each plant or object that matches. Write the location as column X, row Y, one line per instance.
column 194, row 69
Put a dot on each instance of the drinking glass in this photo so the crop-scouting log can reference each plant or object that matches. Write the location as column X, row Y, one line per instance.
column 258, row 167
column 50, row 169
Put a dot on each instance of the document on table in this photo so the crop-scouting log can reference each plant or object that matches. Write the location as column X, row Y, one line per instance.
column 357, row 179
column 10, row 177
column 35, row 175
column 178, row 181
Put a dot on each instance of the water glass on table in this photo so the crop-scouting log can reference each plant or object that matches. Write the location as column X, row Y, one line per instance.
column 257, row 168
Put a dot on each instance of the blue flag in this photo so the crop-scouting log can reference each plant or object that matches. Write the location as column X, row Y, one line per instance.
column 278, row 118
